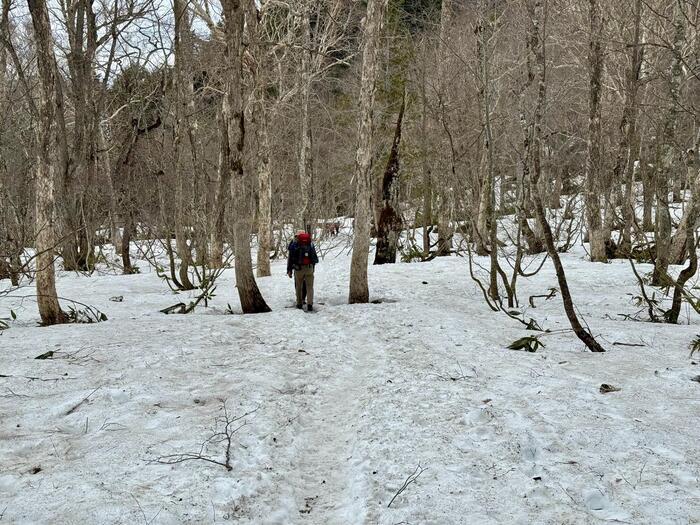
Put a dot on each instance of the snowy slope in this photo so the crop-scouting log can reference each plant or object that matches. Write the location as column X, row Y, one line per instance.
column 347, row 403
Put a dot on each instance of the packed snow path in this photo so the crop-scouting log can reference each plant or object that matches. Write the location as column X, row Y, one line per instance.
column 347, row 402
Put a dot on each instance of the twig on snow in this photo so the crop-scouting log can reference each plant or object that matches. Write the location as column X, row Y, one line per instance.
column 145, row 519
column 77, row 406
column 32, row 378
column 410, row 479
column 225, row 435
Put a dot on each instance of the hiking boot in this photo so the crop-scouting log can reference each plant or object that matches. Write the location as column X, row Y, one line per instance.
column 309, row 307
column 299, row 307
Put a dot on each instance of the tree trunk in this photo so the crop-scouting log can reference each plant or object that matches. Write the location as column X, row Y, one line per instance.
column 596, row 230
column 689, row 222
column 222, row 192
column 264, row 195
column 484, row 34
column 427, row 182
column 259, row 114
column 667, row 165
column 445, row 208
column 183, row 169
column 647, row 195
column 50, row 93
column 629, row 137
column 250, row 297
column 304, row 157
column 537, row 17
column 390, row 223
column 359, row 289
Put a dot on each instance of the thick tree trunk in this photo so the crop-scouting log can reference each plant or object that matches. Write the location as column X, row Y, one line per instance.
column 359, row 289
column 250, row 297
column 44, row 213
column 390, row 222
column 596, row 230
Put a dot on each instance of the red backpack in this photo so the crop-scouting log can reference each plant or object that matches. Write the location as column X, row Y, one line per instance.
column 304, row 244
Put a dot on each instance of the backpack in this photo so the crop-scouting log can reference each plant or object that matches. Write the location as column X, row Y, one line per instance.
column 305, row 249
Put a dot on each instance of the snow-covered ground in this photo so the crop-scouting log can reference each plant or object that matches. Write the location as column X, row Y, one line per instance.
column 347, row 403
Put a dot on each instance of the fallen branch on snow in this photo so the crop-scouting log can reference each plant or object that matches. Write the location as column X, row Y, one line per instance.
column 410, row 479
column 225, row 435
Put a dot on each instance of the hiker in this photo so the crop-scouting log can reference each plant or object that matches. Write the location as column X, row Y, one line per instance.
column 302, row 260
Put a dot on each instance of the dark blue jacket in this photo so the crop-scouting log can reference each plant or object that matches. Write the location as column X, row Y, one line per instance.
column 297, row 252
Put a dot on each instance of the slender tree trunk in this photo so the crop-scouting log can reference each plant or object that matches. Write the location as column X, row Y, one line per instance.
column 648, row 191
column 444, row 211
column 427, row 182
column 251, row 299
column 374, row 20
column 264, row 195
column 304, row 157
column 537, row 17
column 44, row 213
column 629, row 136
column 596, row 230
column 183, row 171
column 524, row 204
column 111, row 190
column 484, row 35
column 222, row 192
column 260, row 117
column 127, row 267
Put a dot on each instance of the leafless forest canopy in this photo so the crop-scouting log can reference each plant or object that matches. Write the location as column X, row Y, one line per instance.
column 501, row 129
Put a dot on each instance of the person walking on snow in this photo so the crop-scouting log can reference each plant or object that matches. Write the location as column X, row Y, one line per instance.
column 302, row 261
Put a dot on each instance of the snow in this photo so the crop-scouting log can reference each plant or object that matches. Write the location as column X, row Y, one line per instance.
column 347, row 402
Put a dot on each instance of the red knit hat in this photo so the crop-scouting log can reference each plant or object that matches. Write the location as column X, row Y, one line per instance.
column 304, row 238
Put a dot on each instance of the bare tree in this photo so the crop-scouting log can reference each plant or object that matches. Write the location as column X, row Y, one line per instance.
column 251, row 299
column 538, row 15
column 374, row 20
column 50, row 103
column 596, row 231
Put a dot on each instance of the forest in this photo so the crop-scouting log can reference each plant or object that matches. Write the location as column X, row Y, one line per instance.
column 504, row 197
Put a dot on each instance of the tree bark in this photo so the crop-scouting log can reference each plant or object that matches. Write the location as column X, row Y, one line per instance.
column 304, row 157
column 444, row 208
column 489, row 220
column 259, row 113
column 629, row 137
column 390, row 222
column 183, row 168
column 250, row 297
column 596, row 230
column 359, row 289
column 667, row 155
column 50, row 95
column 426, row 172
